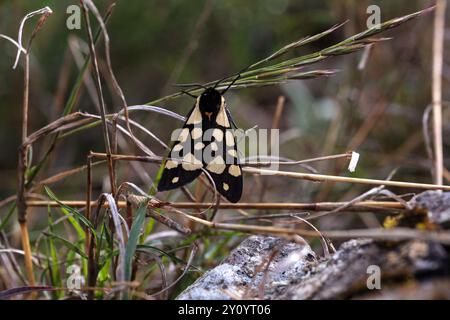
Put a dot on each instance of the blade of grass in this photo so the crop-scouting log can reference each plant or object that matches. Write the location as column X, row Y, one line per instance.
column 73, row 247
column 133, row 239
column 55, row 272
column 71, row 210
column 132, row 242
column 79, row 230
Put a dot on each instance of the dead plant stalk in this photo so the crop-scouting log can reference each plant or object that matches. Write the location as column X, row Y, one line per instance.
column 299, row 175
column 23, row 149
column 313, row 206
column 22, row 169
column 330, row 178
column 438, row 55
column 98, row 86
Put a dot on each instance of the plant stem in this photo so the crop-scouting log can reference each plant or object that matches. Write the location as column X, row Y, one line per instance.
column 438, row 54
column 27, row 253
column 318, row 206
column 298, row 175
column 22, row 171
column 327, row 178
column 98, row 86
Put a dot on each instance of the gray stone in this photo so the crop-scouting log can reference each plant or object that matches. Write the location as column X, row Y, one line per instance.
column 295, row 272
column 242, row 272
column 435, row 203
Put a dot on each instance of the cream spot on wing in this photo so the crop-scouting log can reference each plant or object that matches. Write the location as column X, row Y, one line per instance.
column 214, row 146
column 196, row 116
column 222, row 118
column 170, row 164
column 199, row 146
column 232, row 153
column 175, row 180
column 225, row 186
column 218, row 134
column 229, row 138
column 234, row 170
column 217, row 165
column 196, row 133
column 183, row 135
column 178, row 147
column 190, row 163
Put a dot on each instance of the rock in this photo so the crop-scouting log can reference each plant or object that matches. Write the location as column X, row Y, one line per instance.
column 242, row 272
column 434, row 289
column 295, row 273
column 346, row 275
column 435, row 203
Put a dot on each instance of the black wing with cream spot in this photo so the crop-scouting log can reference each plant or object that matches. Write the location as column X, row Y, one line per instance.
column 182, row 166
column 225, row 168
column 186, row 159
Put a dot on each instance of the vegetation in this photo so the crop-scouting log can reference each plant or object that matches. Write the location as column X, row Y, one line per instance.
column 82, row 186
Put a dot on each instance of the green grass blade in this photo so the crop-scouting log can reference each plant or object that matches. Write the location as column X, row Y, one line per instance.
column 79, row 230
column 55, row 268
column 133, row 239
column 71, row 210
column 67, row 243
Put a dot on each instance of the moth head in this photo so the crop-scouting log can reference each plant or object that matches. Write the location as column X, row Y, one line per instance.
column 210, row 101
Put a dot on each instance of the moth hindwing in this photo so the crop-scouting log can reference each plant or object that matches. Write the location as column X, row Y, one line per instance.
column 205, row 142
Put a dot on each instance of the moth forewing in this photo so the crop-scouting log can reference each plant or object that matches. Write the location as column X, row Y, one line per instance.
column 224, row 169
column 195, row 116
column 222, row 117
column 181, row 166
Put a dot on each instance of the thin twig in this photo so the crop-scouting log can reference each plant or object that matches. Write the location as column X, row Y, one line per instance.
column 438, row 55
column 329, row 178
column 427, row 139
column 88, row 198
column 314, row 206
column 247, row 161
column 395, row 234
column 23, row 149
column 99, row 89
column 365, row 195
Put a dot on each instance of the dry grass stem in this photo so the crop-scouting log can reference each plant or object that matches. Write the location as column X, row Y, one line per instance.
column 438, row 56
column 314, row 206
column 329, row 178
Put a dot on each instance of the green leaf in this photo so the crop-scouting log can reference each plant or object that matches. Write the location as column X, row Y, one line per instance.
column 148, row 229
column 53, row 264
column 80, row 232
column 71, row 210
column 67, row 243
column 133, row 239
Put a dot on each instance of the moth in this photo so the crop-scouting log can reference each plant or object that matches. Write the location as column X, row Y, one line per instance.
column 206, row 142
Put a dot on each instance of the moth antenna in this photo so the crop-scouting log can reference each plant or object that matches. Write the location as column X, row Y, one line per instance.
column 189, row 94
column 219, row 81
column 188, row 85
column 232, row 82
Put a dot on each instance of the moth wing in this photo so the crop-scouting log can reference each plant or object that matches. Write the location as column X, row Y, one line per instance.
column 227, row 185
column 183, row 165
column 176, row 177
column 225, row 168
